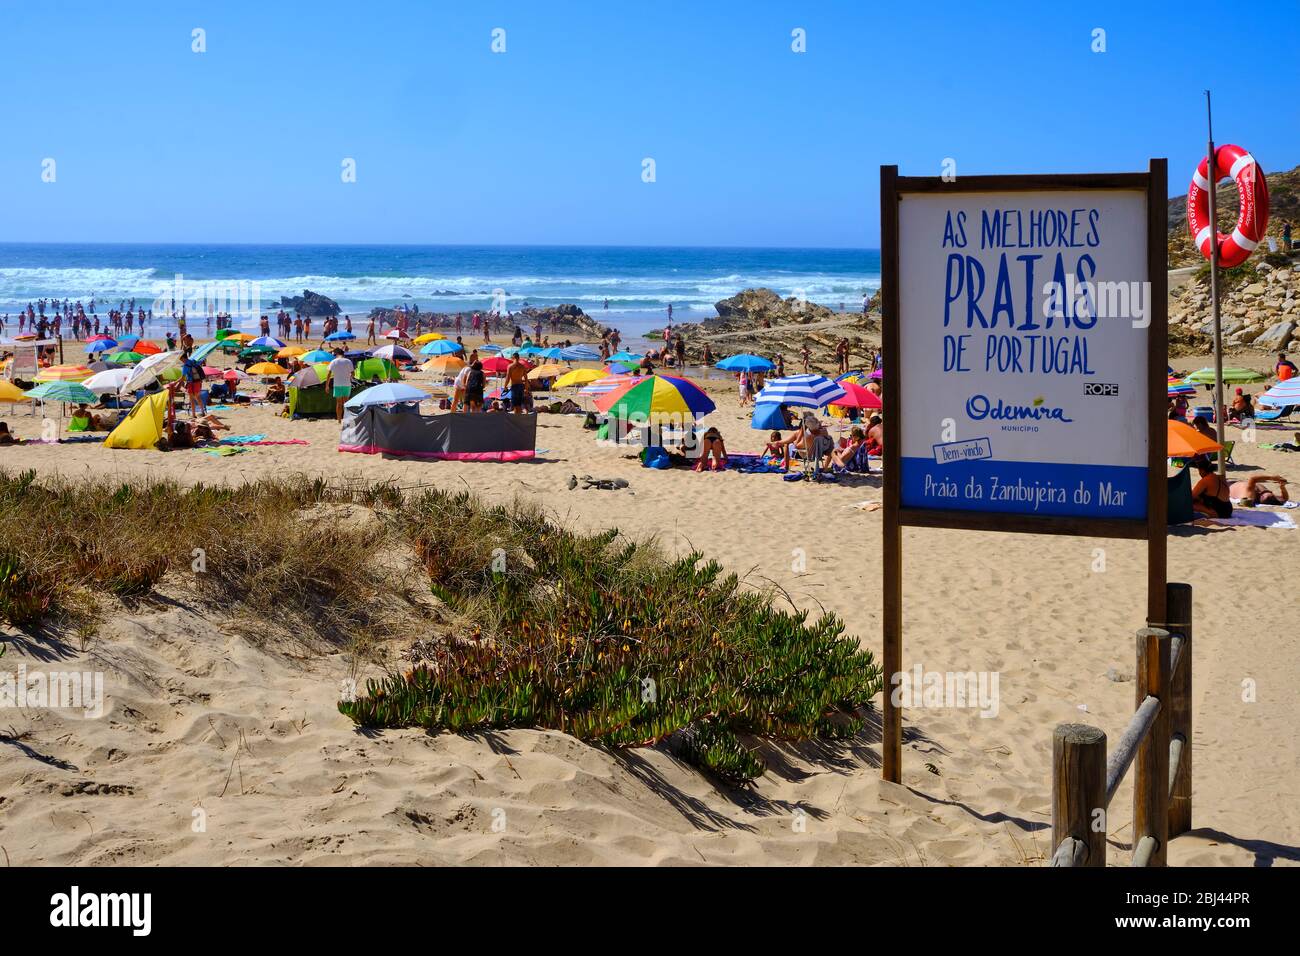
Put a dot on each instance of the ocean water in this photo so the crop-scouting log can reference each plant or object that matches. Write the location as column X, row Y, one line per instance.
column 626, row 287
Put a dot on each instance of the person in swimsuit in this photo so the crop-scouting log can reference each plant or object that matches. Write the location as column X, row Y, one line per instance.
column 1211, row 496
column 1253, row 492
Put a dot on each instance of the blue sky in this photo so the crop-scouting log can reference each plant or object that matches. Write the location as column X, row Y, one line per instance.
column 753, row 144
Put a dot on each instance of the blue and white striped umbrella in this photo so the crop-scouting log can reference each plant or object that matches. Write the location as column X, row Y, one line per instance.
column 810, row 391
column 1283, row 393
column 268, row 341
column 580, row 353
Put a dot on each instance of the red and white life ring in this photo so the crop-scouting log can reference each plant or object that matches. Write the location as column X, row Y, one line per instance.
column 1230, row 162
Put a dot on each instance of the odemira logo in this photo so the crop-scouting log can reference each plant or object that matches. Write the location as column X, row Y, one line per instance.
column 980, row 407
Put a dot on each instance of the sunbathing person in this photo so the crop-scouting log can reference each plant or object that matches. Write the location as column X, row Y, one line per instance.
column 6, row 436
column 842, row 458
column 84, row 420
column 276, row 394
column 1252, row 492
column 1211, row 496
column 713, row 451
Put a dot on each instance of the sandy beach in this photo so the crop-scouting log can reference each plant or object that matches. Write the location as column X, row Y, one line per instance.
column 201, row 718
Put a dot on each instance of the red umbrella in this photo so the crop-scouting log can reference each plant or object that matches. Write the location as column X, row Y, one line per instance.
column 857, row 396
column 499, row 364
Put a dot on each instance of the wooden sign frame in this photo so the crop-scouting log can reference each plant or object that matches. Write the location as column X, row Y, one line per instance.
column 893, row 189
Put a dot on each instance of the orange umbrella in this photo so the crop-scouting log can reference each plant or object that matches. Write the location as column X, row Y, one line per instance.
column 145, row 347
column 267, row 369
column 1186, row 442
column 444, row 364
column 64, row 373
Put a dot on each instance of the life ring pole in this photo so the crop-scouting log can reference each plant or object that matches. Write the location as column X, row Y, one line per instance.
column 1211, row 166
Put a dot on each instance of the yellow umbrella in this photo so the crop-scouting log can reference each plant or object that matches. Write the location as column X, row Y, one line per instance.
column 240, row 337
column 444, row 363
column 427, row 337
column 267, row 368
column 290, row 351
column 547, row 371
column 64, row 373
column 9, row 392
column 580, row 376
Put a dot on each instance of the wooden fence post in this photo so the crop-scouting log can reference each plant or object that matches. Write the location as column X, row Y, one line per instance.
column 1151, row 768
column 1179, row 613
column 1079, row 788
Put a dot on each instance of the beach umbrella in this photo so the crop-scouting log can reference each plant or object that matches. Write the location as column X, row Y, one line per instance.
column 877, row 375
column 656, row 397
column 1180, row 388
column 203, row 351
column 580, row 353
column 490, row 347
column 73, row 392
column 617, row 368
column 1283, row 393
column 9, row 392
column 225, row 334
column 553, row 354
column 103, row 345
column 580, row 376
column 510, row 351
column 129, row 341
column 444, row 364
column 101, row 337
column 1186, row 442
column 290, row 351
column 389, row 394
column 100, row 366
column 395, row 334
column 126, row 358
column 393, row 352
column 427, row 337
column 267, row 369
column 746, row 363
column 340, row 336
column 810, row 391
column 611, row 383
column 1231, row 376
column 307, row 377
column 64, row 373
column 441, row 347
column 269, row 341
column 547, row 371
column 495, row 366
column 856, row 396
column 150, row 367
column 253, row 351
column 317, row 355
column 111, row 381
column 623, row 357
column 211, row 371
column 145, row 347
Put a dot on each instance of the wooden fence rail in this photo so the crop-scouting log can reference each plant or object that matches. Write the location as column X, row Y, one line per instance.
column 1156, row 744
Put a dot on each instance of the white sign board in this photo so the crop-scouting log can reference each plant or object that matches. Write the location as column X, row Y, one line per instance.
column 1023, row 322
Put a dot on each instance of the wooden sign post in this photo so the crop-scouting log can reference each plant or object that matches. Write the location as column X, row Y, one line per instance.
column 1025, row 358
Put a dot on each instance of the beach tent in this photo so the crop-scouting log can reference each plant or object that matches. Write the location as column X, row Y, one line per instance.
column 310, row 401
column 143, row 425
column 473, row 436
column 768, row 416
column 368, row 368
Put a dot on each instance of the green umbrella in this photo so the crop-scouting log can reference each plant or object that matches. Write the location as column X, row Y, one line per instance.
column 1231, row 376
column 126, row 358
column 255, row 350
column 62, row 392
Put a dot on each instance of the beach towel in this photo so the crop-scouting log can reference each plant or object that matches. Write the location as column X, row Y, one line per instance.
column 242, row 439
column 286, row 441
column 1256, row 518
column 226, row 451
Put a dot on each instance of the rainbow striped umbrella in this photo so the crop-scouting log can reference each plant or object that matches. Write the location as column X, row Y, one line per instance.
column 64, row 373
column 656, row 397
